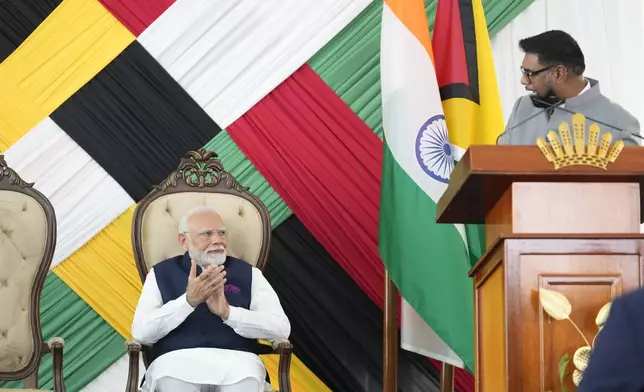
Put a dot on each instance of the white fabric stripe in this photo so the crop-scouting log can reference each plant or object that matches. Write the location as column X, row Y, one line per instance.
column 114, row 377
column 229, row 54
column 84, row 196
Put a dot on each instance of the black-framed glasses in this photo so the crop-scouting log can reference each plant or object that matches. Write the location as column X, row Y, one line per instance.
column 208, row 234
column 528, row 73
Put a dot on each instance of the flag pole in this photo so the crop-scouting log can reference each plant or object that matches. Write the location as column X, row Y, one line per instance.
column 447, row 377
column 390, row 337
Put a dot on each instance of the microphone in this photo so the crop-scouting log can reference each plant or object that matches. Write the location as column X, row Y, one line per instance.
column 592, row 119
column 548, row 106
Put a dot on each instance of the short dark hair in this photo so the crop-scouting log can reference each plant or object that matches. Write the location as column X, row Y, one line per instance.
column 555, row 47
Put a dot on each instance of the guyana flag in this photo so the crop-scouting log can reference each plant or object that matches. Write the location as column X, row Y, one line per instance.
column 429, row 262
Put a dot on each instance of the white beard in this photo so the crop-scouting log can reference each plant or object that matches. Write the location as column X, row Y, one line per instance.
column 219, row 258
column 204, row 259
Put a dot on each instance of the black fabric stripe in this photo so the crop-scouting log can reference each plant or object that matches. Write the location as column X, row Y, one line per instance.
column 336, row 329
column 135, row 121
column 18, row 19
column 471, row 59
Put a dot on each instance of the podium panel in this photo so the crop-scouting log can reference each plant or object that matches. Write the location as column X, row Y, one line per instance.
column 561, row 217
column 518, row 346
column 562, row 207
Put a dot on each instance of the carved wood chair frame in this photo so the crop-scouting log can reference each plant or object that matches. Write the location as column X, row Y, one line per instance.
column 200, row 171
column 11, row 181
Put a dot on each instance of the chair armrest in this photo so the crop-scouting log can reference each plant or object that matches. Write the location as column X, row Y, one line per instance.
column 281, row 345
column 285, row 350
column 133, row 351
column 56, row 346
column 133, row 346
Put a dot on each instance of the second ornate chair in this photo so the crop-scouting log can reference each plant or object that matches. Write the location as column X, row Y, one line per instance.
column 27, row 242
column 199, row 180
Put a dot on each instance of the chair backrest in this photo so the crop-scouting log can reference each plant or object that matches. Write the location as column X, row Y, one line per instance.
column 27, row 242
column 199, row 180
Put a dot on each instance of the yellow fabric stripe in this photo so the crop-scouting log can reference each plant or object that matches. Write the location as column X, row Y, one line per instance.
column 77, row 40
column 104, row 275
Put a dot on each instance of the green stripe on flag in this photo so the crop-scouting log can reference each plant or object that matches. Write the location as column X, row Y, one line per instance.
column 408, row 233
column 91, row 345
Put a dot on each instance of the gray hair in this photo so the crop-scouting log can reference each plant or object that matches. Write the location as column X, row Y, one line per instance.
column 183, row 223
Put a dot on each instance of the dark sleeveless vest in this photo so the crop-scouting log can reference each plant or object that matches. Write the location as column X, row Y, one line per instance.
column 202, row 328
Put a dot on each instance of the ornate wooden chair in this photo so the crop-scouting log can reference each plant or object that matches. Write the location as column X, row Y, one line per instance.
column 200, row 179
column 27, row 242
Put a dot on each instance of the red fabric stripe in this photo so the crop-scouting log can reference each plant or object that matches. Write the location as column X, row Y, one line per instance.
column 136, row 15
column 326, row 164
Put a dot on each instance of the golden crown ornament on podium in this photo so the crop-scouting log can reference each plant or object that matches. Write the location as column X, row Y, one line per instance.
column 570, row 152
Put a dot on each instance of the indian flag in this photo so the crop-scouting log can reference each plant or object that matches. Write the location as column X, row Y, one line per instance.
column 428, row 262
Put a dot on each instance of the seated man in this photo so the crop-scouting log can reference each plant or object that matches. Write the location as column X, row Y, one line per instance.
column 553, row 71
column 203, row 311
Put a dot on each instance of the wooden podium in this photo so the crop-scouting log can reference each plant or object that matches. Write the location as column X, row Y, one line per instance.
column 575, row 230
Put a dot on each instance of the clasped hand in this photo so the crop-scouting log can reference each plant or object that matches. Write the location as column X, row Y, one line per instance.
column 208, row 287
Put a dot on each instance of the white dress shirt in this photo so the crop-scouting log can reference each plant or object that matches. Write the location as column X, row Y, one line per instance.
column 264, row 320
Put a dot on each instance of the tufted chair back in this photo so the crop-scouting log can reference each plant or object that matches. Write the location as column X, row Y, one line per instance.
column 27, row 241
column 200, row 180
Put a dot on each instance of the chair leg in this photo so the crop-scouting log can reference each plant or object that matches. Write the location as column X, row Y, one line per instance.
column 56, row 346
column 284, row 369
column 31, row 381
column 133, row 350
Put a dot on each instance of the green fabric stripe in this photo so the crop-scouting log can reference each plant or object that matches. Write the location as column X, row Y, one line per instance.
column 350, row 65
column 350, row 62
column 433, row 277
column 239, row 166
column 499, row 13
column 91, row 345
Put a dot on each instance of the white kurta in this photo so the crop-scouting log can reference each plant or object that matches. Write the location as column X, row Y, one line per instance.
column 264, row 320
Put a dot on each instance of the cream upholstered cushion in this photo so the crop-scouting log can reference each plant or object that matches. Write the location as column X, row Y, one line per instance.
column 23, row 236
column 31, row 390
column 160, row 225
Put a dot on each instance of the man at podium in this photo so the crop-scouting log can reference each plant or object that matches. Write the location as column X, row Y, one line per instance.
column 553, row 68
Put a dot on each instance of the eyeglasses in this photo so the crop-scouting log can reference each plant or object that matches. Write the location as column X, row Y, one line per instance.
column 528, row 73
column 208, row 234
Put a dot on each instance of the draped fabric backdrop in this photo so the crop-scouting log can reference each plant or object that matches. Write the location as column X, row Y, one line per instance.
column 99, row 100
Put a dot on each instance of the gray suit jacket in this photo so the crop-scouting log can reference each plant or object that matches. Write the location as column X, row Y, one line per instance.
column 591, row 103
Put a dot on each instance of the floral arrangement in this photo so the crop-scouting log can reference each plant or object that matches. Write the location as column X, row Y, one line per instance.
column 559, row 308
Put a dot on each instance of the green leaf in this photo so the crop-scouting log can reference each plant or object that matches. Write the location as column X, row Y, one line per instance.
column 563, row 364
